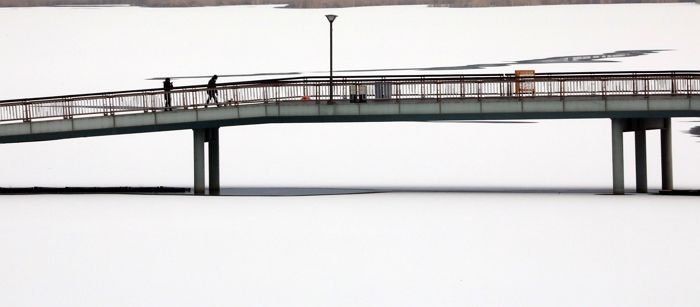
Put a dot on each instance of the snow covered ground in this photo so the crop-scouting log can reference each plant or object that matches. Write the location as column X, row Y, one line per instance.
column 387, row 249
column 424, row 249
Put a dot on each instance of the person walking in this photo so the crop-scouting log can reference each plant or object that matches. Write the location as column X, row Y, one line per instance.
column 167, row 87
column 211, row 90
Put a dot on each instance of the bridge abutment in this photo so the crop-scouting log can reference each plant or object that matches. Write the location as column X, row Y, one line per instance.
column 210, row 136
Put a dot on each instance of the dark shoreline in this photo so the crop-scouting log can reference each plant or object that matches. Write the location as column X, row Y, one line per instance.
column 95, row 190
column 315, row 3
column 319, row 191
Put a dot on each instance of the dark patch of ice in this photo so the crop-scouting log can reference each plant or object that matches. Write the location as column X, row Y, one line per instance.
column 312, row 191
column 230, row 76
column 486, row 121
column 607, row 57
column 590, row 58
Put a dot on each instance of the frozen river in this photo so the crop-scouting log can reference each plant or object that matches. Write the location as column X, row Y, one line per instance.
column 388, row 249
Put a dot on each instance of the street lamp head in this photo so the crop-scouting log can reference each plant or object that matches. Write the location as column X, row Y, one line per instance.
column 331, row 18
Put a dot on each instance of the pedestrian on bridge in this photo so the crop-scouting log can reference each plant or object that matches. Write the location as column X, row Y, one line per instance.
column 211, row 90
column 167, row 87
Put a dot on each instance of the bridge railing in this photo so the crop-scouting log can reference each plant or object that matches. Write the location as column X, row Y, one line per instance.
column 427, row 89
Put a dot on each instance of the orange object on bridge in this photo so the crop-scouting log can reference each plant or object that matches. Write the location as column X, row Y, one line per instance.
column 524, row 82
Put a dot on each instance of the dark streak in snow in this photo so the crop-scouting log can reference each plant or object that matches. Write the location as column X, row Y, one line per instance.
column 608, row 57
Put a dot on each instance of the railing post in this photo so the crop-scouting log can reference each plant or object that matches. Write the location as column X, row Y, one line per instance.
column 109, row 103
column 64, row 108
column 71, row 110
column 305, row 91
column 277, row 92
column 398, row 93
column 187, row 97
column 673, row 84
column 646, row 86
column 266, row 96
column 561, row 88
column 437, row 90
column 27, row 112
column 604, row 87
column 145, row 104
column 236, row 96
column 318, row 93
column 478, row 90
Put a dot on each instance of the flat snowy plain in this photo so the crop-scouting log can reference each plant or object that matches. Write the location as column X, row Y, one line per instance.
column 387, row 249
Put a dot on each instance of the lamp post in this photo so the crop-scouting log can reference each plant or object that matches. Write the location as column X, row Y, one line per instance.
column 331, row 18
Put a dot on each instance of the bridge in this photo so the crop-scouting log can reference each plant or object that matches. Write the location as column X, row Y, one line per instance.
column 634, row 101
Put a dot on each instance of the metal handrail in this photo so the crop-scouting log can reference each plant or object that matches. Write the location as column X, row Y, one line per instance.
column 314, row 89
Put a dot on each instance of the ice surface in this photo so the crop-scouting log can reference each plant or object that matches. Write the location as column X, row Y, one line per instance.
column 414, row 249
column 396, row 249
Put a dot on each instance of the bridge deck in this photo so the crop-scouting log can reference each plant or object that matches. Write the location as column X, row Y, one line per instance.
column 396, row 98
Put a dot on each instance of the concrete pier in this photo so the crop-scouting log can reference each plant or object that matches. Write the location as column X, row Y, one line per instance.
column 666, row 156
column 210, row 136
column 213, row 140
column 618, row 157
column 640, row 159
column 199, row 137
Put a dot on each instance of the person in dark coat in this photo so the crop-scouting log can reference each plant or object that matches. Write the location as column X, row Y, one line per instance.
column 167, row 87
column 211, row 90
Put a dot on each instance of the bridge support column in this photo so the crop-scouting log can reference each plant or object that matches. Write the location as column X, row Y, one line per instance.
column 213, row 139
column 199, row 137
column 640, row 159
column 640, row 126
column 666, row 156
column 211, row 136
column 618, row 157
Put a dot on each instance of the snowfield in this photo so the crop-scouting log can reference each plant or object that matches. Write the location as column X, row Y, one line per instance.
column 412, row 247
